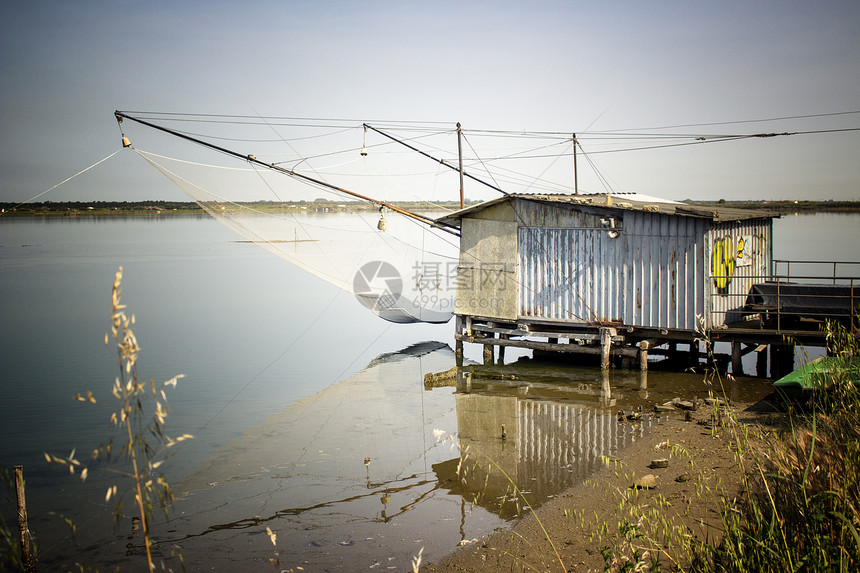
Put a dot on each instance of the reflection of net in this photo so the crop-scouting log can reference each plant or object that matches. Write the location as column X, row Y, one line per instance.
column 330, row 242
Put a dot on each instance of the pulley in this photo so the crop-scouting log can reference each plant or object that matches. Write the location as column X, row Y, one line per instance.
column 125, row 140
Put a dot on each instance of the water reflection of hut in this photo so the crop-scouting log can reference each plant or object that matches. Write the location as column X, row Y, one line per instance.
column 511, row 435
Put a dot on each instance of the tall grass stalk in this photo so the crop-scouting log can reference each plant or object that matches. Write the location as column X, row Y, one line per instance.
column 10, row 551
column 140, row 417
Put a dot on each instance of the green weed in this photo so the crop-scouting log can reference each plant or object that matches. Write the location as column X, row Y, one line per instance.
column 800, row 508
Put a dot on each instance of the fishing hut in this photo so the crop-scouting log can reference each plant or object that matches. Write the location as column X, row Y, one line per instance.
column 617, row 276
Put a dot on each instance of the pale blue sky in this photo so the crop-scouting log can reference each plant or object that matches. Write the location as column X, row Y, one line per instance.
column 538, row 65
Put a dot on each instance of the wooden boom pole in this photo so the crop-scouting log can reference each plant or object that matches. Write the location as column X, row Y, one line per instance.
column 250, row 158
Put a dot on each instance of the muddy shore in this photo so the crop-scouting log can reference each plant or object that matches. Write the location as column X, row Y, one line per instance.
column 580, row 521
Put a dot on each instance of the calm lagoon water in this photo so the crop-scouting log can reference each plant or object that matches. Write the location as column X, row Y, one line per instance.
column 310, row 414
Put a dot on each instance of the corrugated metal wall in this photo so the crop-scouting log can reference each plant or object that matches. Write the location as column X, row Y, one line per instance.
column 665, row 270
column 729, row 276
column 570, row 274
column 651, row 275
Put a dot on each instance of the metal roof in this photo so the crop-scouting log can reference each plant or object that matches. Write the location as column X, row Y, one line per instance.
column 622, row 202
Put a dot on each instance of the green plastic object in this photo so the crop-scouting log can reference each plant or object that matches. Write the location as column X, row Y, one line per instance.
column 820, row 373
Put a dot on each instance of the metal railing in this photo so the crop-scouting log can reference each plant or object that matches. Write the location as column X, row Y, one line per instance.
column 795, row 290
column 836, row 270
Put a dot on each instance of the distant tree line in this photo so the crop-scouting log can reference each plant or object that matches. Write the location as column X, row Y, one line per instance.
column 100, row 206
column 138, row 207
column 148, row 207
column 787, row 205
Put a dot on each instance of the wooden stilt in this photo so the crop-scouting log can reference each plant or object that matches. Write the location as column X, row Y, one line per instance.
column 488, row 354
column 458, row 344
column 458, row 329
column 695, row 354
column 737, row 362
column 774, row 360
column 643, row 355
column 672, row 351
column 761, row 361
column 605, row 345
column 781, row 359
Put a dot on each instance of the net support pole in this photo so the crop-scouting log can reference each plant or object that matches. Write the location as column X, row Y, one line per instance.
column 575, row 173
column 460, row 157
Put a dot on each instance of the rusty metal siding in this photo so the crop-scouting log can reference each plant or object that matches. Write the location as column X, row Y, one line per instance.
column 728, row 284
column 650, row 276
column 665, row 268
column 569, row 274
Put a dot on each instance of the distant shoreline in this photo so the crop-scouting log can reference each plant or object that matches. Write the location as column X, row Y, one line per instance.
column 788, row 206
column 151, row 208
column 147, row 208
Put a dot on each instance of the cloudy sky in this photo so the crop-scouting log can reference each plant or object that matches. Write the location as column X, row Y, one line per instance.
column 569, row 66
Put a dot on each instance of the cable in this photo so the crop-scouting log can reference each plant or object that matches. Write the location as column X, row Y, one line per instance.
column 63, row 181
column 808, row 116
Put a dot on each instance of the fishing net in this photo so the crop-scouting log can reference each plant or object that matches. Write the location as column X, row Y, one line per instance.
column 313, row 196
column 401, row 269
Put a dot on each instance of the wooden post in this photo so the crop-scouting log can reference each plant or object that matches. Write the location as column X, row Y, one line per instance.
column 488, row 354
column 672, row 350
column 695, row 357
column 605, row 344
column 737, row 362
column 458, row 344
column 502, row 349
column 643, row 355
column 23, row 527
column 774, row 360
column 761, row 361
column 781, row 359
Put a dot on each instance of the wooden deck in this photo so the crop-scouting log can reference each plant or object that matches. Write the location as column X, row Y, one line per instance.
column 774, row 315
